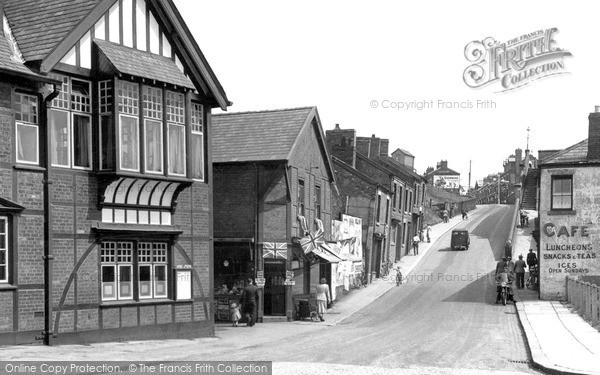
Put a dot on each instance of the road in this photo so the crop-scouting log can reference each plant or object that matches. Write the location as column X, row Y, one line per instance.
column 442, row 320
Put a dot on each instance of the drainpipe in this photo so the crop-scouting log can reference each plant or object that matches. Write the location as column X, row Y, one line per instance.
column 48, row 257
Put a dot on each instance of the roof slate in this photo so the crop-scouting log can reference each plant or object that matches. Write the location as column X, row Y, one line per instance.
column 39, row 25
column 574, row 154
column 257, row 136
column 143, row 64
column 7, row 63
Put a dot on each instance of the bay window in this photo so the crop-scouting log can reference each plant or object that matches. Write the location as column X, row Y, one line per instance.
column 107, row 137
column 118, row 272
column 27, row 131
column 70, row 125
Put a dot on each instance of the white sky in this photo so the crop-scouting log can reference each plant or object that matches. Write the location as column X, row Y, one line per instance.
column 341, row 55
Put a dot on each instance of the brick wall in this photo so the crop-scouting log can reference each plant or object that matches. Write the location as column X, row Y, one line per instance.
column 234, row 200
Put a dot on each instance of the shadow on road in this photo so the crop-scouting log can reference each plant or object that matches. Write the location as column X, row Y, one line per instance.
column 481, row 290
column 495, row 228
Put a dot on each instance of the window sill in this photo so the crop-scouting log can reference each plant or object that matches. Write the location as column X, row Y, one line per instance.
column 4, row 287
column 562, row 212
column 148, row 302
column 26, row 167
column 151, row 176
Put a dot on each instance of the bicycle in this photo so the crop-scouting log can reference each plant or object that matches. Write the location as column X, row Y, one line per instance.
column 532, row 280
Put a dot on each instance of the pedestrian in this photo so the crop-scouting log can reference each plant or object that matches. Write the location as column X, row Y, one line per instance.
column 500, row 266
column 519, row 269
column 522, row 215
column 445, row 215
column 428, row 233
column 416, row 241
column 398, row 276
column 323, row 298
column 531, row 259
column 235, row 314
column 248, row 300
column 510, row 264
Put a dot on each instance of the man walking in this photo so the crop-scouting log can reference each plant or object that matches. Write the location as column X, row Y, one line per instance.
column 248, row 299
column 520, row 271
column 428, row 233
column 416, row 241
column 531, row 259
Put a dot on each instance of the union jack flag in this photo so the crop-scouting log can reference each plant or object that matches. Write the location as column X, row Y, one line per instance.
column 275, row 250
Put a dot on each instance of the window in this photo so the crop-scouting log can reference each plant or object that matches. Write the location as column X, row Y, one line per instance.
column 3, row 249
column 318, row 201
column 107, row 132
column 378, row 207
column 406, row 202
column 300, row 199
column 118, row 274
column 153, row 129
column 128, row 93
column 176, row 133
column 197, row 127
column 387, row 209
column 395, row 195
column 71, row 125
column 400, row 198
column 27, row 137
column 562, row 192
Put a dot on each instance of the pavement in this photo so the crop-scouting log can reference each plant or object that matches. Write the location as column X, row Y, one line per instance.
column 559, row 340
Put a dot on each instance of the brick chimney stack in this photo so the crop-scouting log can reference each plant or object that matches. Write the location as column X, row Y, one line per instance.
column 594, row 135
column 341, row 143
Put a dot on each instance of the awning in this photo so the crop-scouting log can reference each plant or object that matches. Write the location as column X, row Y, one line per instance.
column 140, row 64
column 326, row 254
column 139, row 201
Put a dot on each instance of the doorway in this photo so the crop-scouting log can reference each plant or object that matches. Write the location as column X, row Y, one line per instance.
column 274, row 287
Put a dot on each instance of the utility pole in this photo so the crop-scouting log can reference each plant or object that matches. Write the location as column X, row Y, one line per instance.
column 469, row 188
column 498, row 188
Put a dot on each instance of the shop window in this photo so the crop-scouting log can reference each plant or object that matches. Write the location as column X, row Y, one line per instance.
column 70, row 125
column 27, row 131
column 4, row 249
column 118, row 272
column 562, row 193
column 197, row 131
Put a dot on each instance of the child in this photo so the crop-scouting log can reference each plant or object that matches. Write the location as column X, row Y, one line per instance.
column 398, row 277
column 235, row 314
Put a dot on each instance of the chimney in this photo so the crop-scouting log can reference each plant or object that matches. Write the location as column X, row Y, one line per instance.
column 594, row 135
column 384, row 149
column 340, row 143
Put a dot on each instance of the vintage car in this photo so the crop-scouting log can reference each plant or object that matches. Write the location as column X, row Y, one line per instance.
column 460, row 239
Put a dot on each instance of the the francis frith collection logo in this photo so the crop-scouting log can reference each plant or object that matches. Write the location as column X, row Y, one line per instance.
column 515, row 63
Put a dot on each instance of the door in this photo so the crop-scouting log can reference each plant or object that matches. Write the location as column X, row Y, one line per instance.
column 274, row 287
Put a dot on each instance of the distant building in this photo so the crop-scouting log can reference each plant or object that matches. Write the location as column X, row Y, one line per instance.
column 444, row 177
column 404, row 157
column 569, row 212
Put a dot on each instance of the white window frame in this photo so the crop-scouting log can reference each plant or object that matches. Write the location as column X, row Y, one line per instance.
column 106, row 91
column 72, row 143
column 169, row 149
column 137, row 127
column 195, row 132
column 68, row 127
column 102, row 282
column 6, row 251
column 118, row 281
column 161, row 148
column 37, row 143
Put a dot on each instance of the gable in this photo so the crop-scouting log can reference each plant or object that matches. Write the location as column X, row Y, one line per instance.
column 309, row 149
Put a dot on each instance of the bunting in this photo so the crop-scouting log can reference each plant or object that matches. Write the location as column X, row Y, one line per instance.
column 275, row 250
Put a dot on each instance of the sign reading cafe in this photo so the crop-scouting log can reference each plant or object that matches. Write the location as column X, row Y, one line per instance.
column 514, row 63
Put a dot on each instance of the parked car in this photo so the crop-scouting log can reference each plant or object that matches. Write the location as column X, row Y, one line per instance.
column 460, row 239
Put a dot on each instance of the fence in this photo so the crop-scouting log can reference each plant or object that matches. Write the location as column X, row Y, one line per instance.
column 585, row 299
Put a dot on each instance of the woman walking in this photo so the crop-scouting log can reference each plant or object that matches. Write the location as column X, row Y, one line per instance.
column 323, row 298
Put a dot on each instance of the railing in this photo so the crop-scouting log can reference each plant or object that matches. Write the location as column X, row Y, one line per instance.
column 585, row 299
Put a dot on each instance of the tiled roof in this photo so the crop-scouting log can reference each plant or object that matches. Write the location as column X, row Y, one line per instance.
column 6, row 61
column 39, row 25
column 574, row 154
column 143, row 64
column 256, row 136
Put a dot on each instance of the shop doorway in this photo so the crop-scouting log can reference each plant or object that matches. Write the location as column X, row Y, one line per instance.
column 274, row 287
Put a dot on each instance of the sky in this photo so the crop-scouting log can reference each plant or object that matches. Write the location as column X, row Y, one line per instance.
column 356, row 61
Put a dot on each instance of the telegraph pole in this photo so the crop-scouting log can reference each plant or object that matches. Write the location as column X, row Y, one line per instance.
column 498, row 188
column 469, row 188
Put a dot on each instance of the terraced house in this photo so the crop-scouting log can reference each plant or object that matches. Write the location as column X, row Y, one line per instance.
column 106, row 191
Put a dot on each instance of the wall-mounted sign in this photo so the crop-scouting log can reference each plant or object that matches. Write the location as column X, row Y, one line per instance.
column 183, row 282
